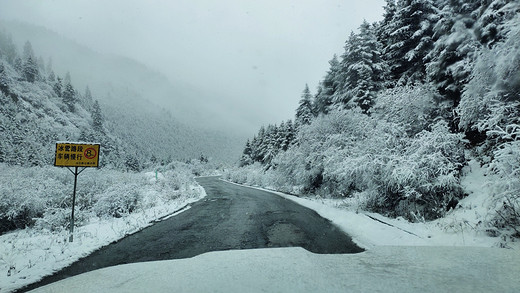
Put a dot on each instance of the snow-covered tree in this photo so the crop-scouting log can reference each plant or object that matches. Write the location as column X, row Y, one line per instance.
column 453, row 54
column 97, row 118
column 4, row 84
column 51, row 77
column 8, row 48
column 30, row 69
column 414, row 108
column 18, row 64
column 491, row 26
column 69, row 94
column 304, row 112
column 246, row 159
column 86, row 100
column 58, row 87
column 363, row 69
column 323, row 99
column 30, row 63
column 491, row 98
column 410, row 39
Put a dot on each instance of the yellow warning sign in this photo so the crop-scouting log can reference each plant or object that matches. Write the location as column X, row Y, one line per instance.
column 71, row 154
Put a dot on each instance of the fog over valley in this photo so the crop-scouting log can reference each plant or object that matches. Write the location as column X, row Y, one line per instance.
column 231, row 65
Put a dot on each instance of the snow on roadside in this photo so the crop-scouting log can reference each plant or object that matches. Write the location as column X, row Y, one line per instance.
column 382, row 268
column 460, row 227
column 28, row 255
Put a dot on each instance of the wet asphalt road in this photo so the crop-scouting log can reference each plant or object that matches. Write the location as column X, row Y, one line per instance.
column 230, row 217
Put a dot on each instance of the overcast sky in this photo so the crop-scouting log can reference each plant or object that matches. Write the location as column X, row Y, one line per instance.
column 254, row 54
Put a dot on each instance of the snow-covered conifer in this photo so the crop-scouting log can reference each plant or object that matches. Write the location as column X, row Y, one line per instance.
column 30, row 69
column 304, row 112
column 363, row 68
column 323, row 99
column 97, row 117
column 410, row 39
column 69, row 94
column 58, row 87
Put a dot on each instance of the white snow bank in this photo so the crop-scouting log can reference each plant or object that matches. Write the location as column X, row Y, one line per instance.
column 381, row 269
column 26, row 256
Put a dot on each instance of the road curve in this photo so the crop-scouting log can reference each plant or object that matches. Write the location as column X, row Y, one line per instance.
column 230, row 217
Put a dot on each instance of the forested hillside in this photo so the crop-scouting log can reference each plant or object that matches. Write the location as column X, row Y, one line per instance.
column 39, row 107
column 136, row 101
column 399, row 114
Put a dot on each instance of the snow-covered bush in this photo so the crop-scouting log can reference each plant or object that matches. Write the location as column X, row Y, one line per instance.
column 117, row 201
column 251, row 175
column 492, row 97
column 506, row 210
column 491, row 104
column 419, row 182
column 413, row 107
column 349, row 154
column 42, row 196
column 24, row 195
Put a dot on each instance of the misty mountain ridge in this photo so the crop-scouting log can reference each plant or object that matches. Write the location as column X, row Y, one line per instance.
column 135, row 92
column 120, row 76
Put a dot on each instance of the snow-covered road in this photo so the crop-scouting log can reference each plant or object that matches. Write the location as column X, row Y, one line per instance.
column 381, row 269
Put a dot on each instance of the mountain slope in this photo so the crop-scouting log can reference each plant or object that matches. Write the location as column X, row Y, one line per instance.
column 129, row 91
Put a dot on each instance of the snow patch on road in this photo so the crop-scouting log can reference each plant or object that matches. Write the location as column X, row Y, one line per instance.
column 381, row 269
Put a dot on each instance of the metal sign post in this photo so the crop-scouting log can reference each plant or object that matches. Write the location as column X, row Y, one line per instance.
column 76, row 173
column 77, row 155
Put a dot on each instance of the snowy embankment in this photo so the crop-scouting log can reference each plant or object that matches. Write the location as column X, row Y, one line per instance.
column 462, row 226
column 28, row 255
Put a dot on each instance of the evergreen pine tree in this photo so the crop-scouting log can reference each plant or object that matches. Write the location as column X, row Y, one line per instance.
column 41, row 64
column 363, row 69
column 28, row 51
column 30, row 69
column 269, row 145
column 97, row 117
column 87, row 101
column 410, row 40
column 51, row 78
column 493, row 15
column 69, row 95
column 58, row 87
column 4, row 85
column 258, row 145
column 18, row 65
column 327, row 88
column 452, row 57
column 245, row 159
column 29, row 63
column 304, row 112
column 8, row 48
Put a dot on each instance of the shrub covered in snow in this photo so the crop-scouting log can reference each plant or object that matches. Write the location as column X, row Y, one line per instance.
column 42, row 196
column 349, row 154
column 491, row 104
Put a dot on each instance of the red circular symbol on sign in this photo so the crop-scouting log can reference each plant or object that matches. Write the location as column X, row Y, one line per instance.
column 90, row 153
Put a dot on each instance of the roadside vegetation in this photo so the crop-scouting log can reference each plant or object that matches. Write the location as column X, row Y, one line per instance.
column 402, row 111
